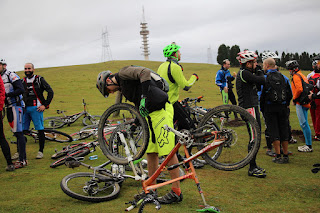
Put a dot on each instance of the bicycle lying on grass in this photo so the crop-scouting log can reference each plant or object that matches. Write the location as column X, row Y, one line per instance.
column 74, row 151
column 86, row 132
column 124, row 147
column 50, row 134
column 58, row 122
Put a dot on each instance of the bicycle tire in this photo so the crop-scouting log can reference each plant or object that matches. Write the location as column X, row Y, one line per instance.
column 55, row 135
column 81, row 135
column 66, row 149
column 79, row 153
column 110, row 125
column 53, row 122
column 77, row 192
column 91, row 120
column 235, row 153
column 148, row 203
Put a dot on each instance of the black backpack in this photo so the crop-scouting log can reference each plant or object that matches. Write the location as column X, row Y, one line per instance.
column 276, row 88
column 303, row 98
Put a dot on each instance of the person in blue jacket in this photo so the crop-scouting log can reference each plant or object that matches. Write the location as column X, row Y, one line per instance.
column 224, row 82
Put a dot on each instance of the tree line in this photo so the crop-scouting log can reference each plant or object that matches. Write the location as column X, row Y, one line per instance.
column 304, row 59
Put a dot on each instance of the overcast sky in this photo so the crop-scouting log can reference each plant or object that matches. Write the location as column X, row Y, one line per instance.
column 68, row 32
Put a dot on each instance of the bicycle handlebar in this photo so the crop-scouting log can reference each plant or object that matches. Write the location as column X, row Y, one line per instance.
column 198, row 99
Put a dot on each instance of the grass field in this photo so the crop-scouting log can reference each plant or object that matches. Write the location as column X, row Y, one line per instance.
column 287, row 188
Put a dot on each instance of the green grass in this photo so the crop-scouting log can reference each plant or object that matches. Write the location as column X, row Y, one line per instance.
column 287, row 188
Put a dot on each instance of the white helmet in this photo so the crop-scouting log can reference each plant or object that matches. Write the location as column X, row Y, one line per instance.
column 245, row 56
column 2, row 61
column 266, row 55
column 314, row 63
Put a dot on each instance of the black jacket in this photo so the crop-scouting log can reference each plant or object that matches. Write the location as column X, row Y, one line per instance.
column 39, row 86
column 247, row 84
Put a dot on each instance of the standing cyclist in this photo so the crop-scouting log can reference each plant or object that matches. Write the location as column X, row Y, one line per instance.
column 14, row 104
column 248, row 80
column 3, row 141
column 301, row 107
column 136, row 86
column 172, row 72
column 34, row 86
column 224, row 82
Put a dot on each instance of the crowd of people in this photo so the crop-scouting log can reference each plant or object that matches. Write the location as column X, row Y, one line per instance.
column 266, row 90
column 25, row 102
column 259, row 89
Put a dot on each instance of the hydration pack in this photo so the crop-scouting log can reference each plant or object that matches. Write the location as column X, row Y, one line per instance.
column 275, row 88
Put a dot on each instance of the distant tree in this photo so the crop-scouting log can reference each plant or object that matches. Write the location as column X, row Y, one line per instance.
column 305, row 61
column 222, row 53
column 235, row 49
column 283, row 60
column 228, row 52
column 296, row 57
column 259, row 59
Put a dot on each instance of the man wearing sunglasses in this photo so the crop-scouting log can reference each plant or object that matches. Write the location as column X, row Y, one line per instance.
column 14, row 104
column 36, row 103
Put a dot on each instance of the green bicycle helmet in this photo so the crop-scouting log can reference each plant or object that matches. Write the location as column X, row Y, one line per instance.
column 169, row 49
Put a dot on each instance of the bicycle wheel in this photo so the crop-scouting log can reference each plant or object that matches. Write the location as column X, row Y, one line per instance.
column 91, row 120
column 78, row 153
column 55, row 135
column 126, row 119
column 242, row 137
column 89, row 187
column 53, row 122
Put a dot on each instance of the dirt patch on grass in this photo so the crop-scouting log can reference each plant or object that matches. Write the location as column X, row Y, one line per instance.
column 236, row 123
column 297, row 134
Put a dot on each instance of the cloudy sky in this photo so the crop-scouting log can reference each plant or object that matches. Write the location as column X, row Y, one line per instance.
column 68, row 32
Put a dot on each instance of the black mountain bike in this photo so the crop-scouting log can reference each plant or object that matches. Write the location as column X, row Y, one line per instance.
column 58, row 122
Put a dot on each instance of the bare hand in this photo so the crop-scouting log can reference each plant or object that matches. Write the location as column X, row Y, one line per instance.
column 310, row 95
column 234, row 74
column 225, row 89
column 41, row 108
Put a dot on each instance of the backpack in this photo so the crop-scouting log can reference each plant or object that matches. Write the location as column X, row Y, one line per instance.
column 160, row 82
column 276, row 88
column 303, row 98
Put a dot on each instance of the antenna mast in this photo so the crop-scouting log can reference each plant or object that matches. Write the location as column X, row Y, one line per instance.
column 144, row 32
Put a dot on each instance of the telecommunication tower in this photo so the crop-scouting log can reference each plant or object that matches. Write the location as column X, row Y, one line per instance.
column 144, row 32
column 209, row 54
column 106, row 51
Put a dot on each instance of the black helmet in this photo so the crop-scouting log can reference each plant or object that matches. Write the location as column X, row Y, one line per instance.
column 101, row 82
column 290, row 65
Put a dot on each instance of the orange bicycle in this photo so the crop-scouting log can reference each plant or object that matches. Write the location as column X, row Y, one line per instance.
column 240, row 141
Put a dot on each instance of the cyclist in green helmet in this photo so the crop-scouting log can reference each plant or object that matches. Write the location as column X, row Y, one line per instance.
column 172, row 72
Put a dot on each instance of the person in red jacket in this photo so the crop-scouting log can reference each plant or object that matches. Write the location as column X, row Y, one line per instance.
column 315, row 103
column 3, row 141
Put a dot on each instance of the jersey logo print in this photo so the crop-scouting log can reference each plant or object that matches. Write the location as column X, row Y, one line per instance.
column 163, row 137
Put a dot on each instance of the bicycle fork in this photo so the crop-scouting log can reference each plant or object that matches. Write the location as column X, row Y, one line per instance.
column 130, row 159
